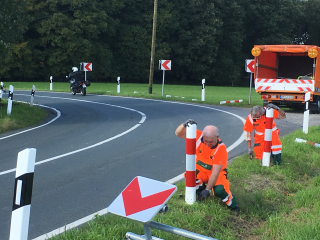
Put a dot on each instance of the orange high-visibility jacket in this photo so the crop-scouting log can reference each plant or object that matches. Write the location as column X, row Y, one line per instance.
column 259, row 125
column 206, row 157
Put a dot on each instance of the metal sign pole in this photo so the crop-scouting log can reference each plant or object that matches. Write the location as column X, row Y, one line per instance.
column 163, row 81
column 250, row 88
column 147, row 232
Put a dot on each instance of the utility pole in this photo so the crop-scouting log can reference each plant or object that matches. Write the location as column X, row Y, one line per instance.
column 153, row 45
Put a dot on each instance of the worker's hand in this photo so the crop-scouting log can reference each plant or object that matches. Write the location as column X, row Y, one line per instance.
column 271, row 105
column 250, row 153
column 189, row 121
column 204, row 193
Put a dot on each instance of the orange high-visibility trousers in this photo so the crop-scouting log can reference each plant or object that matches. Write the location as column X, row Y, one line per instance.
column 221, row 188
column 276, row 144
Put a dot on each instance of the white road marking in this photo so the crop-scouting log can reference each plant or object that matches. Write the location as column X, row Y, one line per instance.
column 143, row 118
column 172, row 181
column 105, row 211
column 58, row 115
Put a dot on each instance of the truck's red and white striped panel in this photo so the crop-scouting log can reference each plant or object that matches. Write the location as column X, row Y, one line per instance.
column 265, row 84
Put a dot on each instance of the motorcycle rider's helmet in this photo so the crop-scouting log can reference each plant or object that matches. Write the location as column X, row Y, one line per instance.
column 74, row 69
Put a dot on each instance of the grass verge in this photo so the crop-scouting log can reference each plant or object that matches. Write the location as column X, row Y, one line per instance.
column 277, row 202
column 22, row 115
column 185, row 93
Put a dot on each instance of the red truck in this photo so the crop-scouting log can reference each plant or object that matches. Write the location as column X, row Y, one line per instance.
column 285, row 73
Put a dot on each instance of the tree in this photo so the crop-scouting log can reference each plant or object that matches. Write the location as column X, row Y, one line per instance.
column 13, row 23
column 193, row 43
column 230, row 36
column 64, row 33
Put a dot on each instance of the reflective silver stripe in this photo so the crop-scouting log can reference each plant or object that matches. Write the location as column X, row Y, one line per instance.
column 250, row 118
column 273, row 129
column 248, row 135
column 276, row 146
column 230, row 203
column 259, row 133
column 276, row 152
column 199, row 141
column 226, row 198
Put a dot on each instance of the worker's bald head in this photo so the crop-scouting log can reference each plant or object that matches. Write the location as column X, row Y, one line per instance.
column 210, row 135
column 210, row 131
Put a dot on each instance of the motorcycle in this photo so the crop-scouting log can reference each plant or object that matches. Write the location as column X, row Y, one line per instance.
column 78, row 87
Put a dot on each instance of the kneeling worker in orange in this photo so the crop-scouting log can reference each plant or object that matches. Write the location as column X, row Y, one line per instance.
column 211, row 164
column 256, row 120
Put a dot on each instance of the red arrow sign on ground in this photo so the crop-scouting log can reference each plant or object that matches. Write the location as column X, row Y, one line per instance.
column 134, row 202
column 250, row 65
column 165, row 65
column 88, row 66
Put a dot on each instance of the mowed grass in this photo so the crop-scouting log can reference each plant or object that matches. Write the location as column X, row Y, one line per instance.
column 277, row 202
column 22, row 115
column 186, row 93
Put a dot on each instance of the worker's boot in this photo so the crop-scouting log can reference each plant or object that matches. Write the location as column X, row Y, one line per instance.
column 199, row 187
column 277, row 159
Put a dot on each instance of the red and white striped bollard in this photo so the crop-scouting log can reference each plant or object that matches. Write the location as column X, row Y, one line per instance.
column 267, row 138
column 231, row 101
column 191, row 133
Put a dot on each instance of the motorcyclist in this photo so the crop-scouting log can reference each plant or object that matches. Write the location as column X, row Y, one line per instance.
column 76, row 75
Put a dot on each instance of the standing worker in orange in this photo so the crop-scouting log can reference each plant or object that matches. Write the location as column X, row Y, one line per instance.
column 256, row 120
column 211, row 164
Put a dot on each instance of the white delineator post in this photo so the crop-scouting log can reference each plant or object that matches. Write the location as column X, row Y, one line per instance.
column 33, row 90
column 22, row 194
column 1, row 89
column 267, row 138
column 191, row 133
column 118, row 85
column 10, row 98
column 306, row 113
column 51, row 78
column 203, row 90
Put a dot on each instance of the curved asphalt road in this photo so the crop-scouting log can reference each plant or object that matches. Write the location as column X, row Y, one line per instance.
column 89, row 154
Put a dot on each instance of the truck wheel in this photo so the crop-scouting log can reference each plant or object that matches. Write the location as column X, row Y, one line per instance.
column 265, row 103
column 317, row 105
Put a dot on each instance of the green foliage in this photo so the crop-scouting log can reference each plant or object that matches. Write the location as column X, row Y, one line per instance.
column 204, row 39
column 311, row 10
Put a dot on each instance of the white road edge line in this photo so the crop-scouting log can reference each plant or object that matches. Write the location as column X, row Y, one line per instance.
column 58, row 115
column 171, row 181
column 105, row 211
column 143, row 118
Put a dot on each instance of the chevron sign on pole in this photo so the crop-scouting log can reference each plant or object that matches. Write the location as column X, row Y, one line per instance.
column 142, row 199
column 165, row 64
column 87, row 67
column 250, row 65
